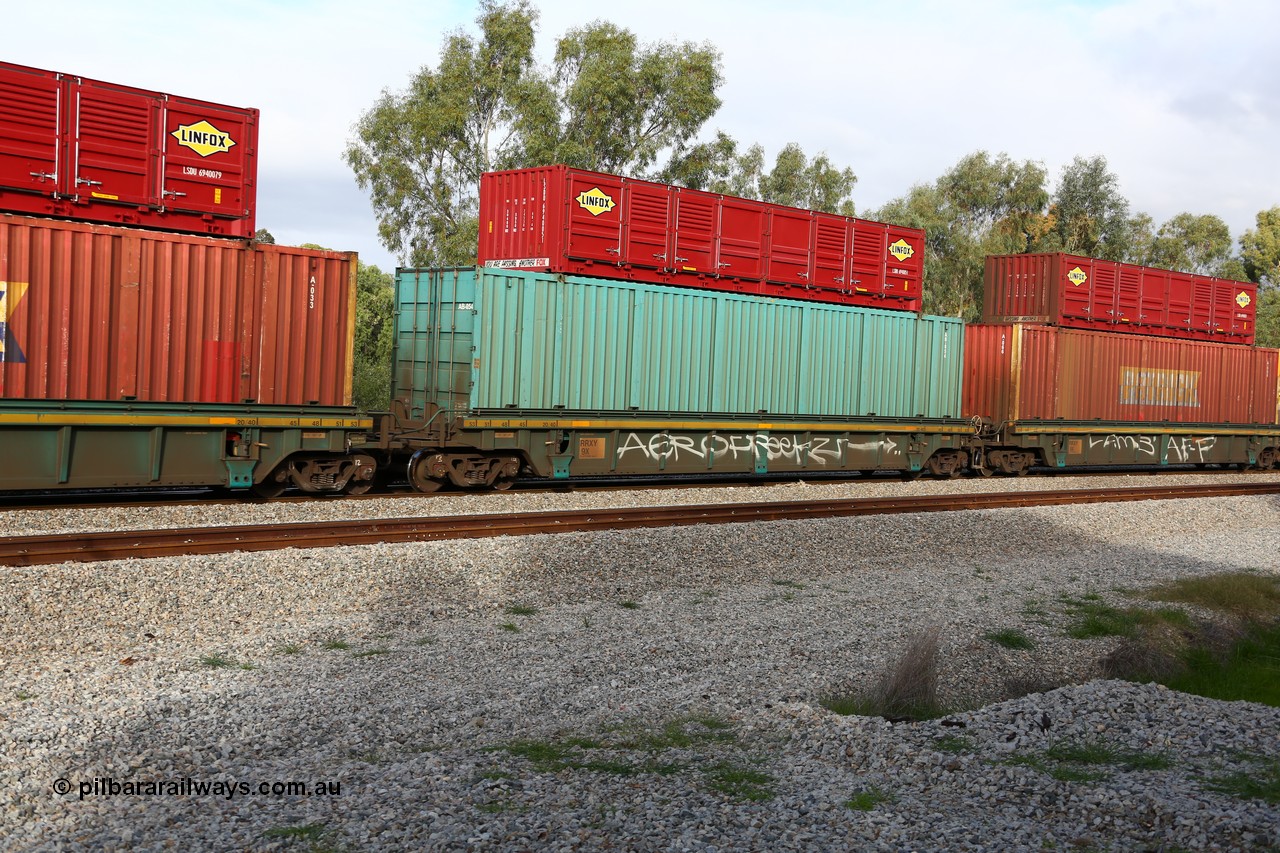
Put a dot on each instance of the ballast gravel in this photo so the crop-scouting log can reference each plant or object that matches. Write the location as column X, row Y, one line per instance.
column 633, row 690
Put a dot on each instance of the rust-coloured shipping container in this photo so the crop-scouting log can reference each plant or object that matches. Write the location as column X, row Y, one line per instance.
column 83, row 149
column 563, row 220
column 1019, row 372
column 1086, row 293
column 99, row 312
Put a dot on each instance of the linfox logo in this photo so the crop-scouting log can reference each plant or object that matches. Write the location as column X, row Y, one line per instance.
column 203, row 138
column 595, row 201
column 1077, row 277
column 901, row 250
column 11, row 293
column 1242, row 299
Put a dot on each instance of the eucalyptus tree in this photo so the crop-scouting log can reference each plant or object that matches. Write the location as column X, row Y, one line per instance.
column 608, row 103
column 1088, row 215
column 984, row 205
column 1260, row 252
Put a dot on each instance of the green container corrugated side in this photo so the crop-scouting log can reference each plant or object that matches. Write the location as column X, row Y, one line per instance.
column 479, row 340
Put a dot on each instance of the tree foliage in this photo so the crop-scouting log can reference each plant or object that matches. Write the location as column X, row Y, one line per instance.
column 984, row 205
column 613, row 105
column 607, row 103
column 1260, row 248
column 375, row 304
column 1088, row 215
column 1197, row 244
column 419, row 153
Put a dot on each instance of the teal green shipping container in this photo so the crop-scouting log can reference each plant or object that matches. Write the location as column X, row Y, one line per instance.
column 504, row 342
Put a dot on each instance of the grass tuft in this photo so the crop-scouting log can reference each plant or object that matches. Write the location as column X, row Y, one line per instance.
column 741, row 783
column 1249, row 787
column 953, row 744
column 217, row 661
column 521, row 610
column 289, row 649
column 867, row 799
column 336, row 645
column 510, row 627
column 306, row 832
column 1246, row 596
column 634, row 750
column 629, row 605
column 1011, row 638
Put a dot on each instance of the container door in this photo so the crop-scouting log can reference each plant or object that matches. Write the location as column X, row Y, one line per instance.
column 1201, row 307
column 696, row 216
column 832, row 248
column 208, row 158
column 31, row 130
column 1076, row 285
column 790, row 242
column 870, row 248
column 1179, row 300
column 647, row 214
column 113, row 152
column 741, row 251
column 595, row 217
column 1104, row 288
column 1153, row 297
column 1128, row 292
column 903, row 263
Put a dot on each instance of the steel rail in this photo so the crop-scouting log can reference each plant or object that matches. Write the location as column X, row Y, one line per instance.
column 156, row 498
column 115, row 545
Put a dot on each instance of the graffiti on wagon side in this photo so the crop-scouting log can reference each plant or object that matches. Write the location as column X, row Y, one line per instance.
column 1181, row 448
column 820, row 450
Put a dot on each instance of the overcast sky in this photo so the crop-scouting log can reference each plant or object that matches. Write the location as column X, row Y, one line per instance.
column 1181, row 97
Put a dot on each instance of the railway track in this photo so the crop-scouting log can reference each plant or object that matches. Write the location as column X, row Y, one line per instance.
column 114, row 545
column 208, row 497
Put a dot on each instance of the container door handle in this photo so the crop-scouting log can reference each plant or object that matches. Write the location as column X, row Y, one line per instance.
column 606, row 251
column 680, row 260
column 172, row 194
column 723, row 265
column 88, row 183
column 44, row 175
column 661, row 257
column 802, row 275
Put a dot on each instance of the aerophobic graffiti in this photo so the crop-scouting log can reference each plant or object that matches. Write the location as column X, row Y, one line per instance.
column 1181, row 448
column 820, row 450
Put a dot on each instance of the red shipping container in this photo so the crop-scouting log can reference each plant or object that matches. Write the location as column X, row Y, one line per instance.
column 1086, row 293
column 562, row 220
column 1031, row 372
column 83, row 149
column 98, row 312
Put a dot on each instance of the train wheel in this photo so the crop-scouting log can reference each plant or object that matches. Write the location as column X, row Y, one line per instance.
column 267, row 489
column 945, row 464
column 420, row 476
column 362, row 479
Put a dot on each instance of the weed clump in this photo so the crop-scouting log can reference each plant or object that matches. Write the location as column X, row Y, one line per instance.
column 908, row 689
